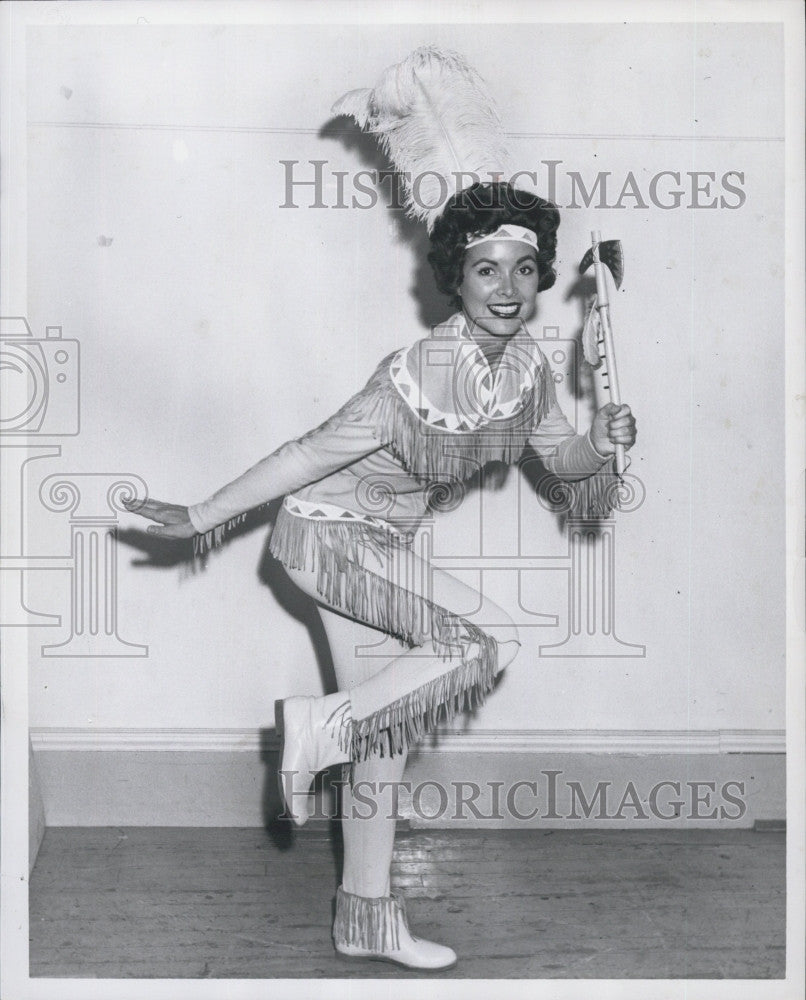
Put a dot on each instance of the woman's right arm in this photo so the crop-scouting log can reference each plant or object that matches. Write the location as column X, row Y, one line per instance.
column 341, row 440
column 330, row 447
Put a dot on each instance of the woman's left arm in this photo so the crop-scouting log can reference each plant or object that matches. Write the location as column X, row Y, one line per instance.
column 576, row 456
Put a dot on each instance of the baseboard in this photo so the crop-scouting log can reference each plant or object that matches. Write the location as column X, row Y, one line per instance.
column 678, row 741
column 508, row 779
column 36, row 811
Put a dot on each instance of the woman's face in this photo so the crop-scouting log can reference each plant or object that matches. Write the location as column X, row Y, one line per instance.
column 499, row 286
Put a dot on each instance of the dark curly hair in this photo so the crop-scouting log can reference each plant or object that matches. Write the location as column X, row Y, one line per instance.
column 481, row 209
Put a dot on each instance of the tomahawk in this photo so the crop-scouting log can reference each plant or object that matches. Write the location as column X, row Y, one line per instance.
column 598, row 332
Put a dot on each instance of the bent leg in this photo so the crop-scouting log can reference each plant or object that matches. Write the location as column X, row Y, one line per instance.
column 461, row 640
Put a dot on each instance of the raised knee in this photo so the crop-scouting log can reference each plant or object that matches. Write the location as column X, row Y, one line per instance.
column 509, row 643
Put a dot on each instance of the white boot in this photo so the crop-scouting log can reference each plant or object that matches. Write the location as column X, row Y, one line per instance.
column 315, row 734
column 376, row 929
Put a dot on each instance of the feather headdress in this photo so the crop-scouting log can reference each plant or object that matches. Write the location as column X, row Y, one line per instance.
column 437, row 123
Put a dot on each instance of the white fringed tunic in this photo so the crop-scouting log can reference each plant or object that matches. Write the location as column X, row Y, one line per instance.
column 430, row 416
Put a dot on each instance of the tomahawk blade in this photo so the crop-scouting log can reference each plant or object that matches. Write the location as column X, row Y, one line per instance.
column 610, row 254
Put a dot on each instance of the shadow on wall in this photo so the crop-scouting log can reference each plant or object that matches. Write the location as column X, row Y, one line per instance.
column 282, row 831
column 432, row 306
column 164, row 553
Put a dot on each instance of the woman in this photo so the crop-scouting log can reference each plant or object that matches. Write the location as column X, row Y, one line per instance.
column 477, row 390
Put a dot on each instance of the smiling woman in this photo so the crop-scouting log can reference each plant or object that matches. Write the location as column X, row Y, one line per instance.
column 499, row 287
column 480, row 210
column 477, row 389
column 495, row 282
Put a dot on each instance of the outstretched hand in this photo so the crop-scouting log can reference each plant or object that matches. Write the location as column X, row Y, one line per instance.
column 173, row 519
column 613, row 425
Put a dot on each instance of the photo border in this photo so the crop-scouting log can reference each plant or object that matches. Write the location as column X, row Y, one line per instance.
column 14, row 19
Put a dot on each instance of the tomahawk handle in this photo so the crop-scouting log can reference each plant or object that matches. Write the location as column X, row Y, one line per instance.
column 621, row 460
column 603, row 305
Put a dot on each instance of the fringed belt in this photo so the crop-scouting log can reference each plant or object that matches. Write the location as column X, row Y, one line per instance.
column 321, row 511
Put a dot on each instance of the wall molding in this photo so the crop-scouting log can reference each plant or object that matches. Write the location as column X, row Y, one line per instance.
column 255, row 741
column 227, row 777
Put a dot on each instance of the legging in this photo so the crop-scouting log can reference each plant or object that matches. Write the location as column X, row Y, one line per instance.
column 373, row 683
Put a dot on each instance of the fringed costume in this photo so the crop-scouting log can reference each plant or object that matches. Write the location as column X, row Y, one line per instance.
column 431, row 416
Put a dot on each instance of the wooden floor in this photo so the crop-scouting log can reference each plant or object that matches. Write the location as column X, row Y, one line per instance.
column 234, row 903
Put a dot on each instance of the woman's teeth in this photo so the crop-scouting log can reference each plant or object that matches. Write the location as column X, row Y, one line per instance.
column 505, row 311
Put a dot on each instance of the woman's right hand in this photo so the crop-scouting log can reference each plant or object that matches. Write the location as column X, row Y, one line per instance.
column 173, row 519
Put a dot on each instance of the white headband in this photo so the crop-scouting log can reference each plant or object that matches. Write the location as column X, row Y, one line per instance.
column 512, row 233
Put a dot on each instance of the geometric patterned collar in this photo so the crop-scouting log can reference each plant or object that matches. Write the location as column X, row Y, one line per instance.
column 447, row 382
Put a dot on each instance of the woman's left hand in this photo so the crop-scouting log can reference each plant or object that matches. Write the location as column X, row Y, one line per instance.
column 613, row 425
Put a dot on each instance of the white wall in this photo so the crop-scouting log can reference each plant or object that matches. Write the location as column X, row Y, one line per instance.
column 216, row 325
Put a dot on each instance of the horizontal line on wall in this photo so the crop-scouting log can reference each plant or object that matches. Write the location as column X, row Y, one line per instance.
column 644, row 741
column 268, row 130
column 687, row 741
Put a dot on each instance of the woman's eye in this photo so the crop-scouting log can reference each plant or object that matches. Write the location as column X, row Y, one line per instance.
column 485, row 271
column 527, row 269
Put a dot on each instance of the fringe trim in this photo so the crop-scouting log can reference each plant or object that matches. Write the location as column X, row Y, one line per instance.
column 369, row 923
column 336, row 551
column 428, row 452
column 595, row 497
column 403, row 723
column 208, row 540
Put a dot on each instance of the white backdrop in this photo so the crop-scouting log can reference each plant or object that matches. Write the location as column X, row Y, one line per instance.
column 215, row 324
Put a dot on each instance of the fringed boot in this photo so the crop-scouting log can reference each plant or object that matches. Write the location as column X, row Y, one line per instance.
column 376, row 929
column 315, row 733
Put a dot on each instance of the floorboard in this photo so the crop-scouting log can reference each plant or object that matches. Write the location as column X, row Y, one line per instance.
column 249, row 903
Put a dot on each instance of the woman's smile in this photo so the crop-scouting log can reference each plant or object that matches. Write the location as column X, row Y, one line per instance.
column 499, row 286
column 505, row 310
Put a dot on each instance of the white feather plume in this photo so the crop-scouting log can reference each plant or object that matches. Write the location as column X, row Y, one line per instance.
column 437, row 123
column 592, row 335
